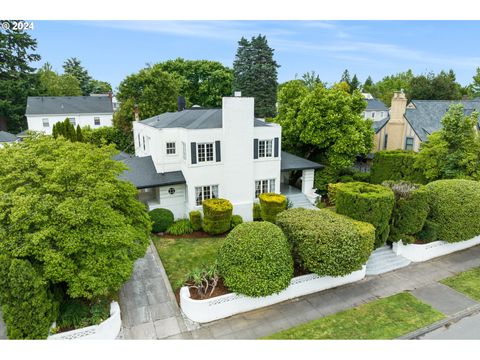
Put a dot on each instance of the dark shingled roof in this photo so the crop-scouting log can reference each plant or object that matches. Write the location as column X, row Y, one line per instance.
column 7, row 137
column 426, row 117
column 142, row 173
column 51, row 105
column 192, row 119
column 374, row 104
column 122, row 156
column 378, row 125
column 293, row 162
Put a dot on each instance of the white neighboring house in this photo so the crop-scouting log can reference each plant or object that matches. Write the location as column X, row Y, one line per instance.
column 7, row 138
column 185, row 157
column 45, row 111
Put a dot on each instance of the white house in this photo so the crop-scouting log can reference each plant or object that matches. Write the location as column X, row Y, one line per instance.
column 45, row 111
column 185, row 157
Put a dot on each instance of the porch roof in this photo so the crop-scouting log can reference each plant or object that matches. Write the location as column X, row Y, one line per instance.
column 292, row 162
column 142, row 174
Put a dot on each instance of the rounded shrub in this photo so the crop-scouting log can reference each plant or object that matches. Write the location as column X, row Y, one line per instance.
column 180, row 227
column 236, row 220
column 325, row 242
column 369, row 203
column 196, row 220
column 361, row 176
column 162, row 219
column 272, row 204
column 217, row 215
column 257, row 213
column 255, row 259
column 455, row 208
column 395, row 165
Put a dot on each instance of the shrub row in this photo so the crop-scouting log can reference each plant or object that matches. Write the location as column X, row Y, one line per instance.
column 395, row 165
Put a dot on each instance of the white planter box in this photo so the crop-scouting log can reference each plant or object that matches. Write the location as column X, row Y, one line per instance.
column 424, row 252
column 223, row 306
column 107, row 330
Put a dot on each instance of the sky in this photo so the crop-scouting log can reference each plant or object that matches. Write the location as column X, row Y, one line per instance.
column 111, row 50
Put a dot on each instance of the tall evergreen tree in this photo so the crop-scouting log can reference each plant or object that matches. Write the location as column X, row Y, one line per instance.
column 368, row 85
column 475, row 86
column 354, row 84
column 345, row 77
column 79, row 134
column 255, row 74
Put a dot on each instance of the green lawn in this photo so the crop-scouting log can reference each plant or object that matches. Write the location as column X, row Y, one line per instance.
column 180, row 256
column 467, row 282
column 386, row 318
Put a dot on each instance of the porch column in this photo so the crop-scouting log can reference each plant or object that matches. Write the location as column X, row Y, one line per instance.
column 307, row 181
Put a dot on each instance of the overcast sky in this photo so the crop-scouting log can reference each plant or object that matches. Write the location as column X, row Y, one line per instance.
column 111, row 50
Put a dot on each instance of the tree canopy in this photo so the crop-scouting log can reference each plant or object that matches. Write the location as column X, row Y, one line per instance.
column 53, row 84
column 88, row 85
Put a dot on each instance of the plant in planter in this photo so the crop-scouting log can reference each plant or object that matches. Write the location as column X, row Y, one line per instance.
column 204, row 280
column 180, row 227
column 196, row 220
column 161, row 219
column 255, row 259
column 217, row 216
column 272, row 204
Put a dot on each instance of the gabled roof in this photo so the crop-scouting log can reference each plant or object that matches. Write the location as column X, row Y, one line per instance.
column 375, row 105
column 142, row 173
column 426, row 116
column 378, row 125
column 62, row 105
column 292, row 162
column 7, row 137
column 192, row 119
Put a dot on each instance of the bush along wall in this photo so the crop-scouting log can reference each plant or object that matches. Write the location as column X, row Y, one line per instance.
column 395, row 165
column 217, row 216
column 272, row 204
column 196, row 220
column 257, row 213
column 255, row 259
column 454, row 209
column 161, row 219
column 410, row 210
column 325, row 242
column 369, row 203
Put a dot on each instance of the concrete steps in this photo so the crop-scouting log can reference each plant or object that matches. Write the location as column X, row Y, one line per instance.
column 383, row 260
column 300, row 200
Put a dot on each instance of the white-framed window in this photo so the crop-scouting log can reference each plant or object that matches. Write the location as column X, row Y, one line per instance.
column 45, row 122
column 265, row 148
column 409, row 143
column 96, row 120
column 373, row 114
column 205, row 192
column 205, row 152
column 72, row 120
column 171, row 150
column 184, row 150
column 264, row 186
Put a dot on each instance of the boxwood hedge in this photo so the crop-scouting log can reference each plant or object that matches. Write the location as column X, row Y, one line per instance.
column 217, row 215
column 271, row 204
column 395, row 165
column 161, row 219
column 255, row 259
column 455, row 208
column 367, row 202
column 325, row 242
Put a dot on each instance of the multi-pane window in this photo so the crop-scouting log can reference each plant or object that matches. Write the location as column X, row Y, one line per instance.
column 72, row 120
column 205, row 152
column 184, row 149
column 265, row 148
column 409, row 143
column 205, row 192
column 171, row 148
column 96, row 121
column 45, row 122
column 264, row 186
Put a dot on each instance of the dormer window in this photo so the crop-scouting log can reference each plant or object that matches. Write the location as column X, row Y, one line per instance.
column 171, row 150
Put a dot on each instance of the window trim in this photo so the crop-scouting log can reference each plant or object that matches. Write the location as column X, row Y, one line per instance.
column 202, row 193
column 205, row 153
column 265, row 148
column 95, row 118
column 412, row 144
column 167, row 148
column 48, row 122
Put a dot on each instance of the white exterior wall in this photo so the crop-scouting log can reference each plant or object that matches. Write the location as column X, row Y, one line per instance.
column 375, row 115
column 35, row 122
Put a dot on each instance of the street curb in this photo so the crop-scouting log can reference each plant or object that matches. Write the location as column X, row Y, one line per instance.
column 437, row 325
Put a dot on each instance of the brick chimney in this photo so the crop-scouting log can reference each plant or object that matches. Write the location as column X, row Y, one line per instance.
column 399, row 104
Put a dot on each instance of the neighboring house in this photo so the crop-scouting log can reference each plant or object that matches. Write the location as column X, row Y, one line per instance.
column 7, row 138
column 375, row 110
column 185, row 157
column 410, row 124
column 45, row 111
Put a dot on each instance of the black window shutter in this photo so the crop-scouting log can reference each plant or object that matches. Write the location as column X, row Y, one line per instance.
column 217, row 151
column 275, row 147
column 255, row 148
column 193, row 147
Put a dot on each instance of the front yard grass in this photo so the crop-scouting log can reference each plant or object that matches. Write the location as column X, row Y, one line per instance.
column 386, row 318
column 467, row 282
column 181, row 256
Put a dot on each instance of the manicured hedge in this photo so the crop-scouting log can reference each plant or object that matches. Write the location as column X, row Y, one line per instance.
column 162, row 219
column 455, row 208
column 325, row 242
column 196, row 220
column 257, row 212
column 395, row 165
column 236, row 220
column 217, row 215
column 369, row 203
column 332, row 192
column 271, row 204
column 410, row 210
column 255, row 259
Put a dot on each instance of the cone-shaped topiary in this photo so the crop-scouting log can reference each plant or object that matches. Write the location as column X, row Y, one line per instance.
column 272, row 204
column 217, row 215
column 255, row 259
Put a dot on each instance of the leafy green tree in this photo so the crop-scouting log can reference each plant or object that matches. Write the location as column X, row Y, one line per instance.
column 64, row 209
column 384, row 89
column 475, row 85
column 435, row 87
column 206, row 82
column 73, row 66
column 311, row 79
column 52, row 84
column 255, row 74
column 367, row 85
column 17, row 78
column 99, row 87
column 453, row 151
column 106, row 135
column 345, row 77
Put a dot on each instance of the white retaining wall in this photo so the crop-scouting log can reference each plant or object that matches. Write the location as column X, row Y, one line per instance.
column 424, row 252
column 223, row 306
column 107, row 330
